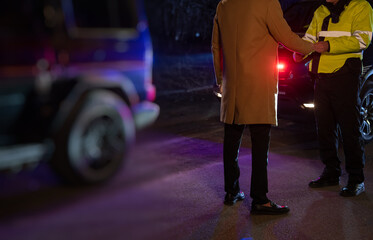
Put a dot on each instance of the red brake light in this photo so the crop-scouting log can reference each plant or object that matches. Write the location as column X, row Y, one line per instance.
column 281, row 67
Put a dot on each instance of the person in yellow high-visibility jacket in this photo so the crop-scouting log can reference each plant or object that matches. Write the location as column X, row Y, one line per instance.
column 344, row 29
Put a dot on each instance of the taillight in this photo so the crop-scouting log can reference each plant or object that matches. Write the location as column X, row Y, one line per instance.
column 284, row 71
column 281, row 67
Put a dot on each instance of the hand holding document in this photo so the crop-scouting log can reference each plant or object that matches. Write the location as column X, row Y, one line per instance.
column 318, row 47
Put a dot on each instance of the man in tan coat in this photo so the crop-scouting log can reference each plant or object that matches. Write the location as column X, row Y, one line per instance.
column 245, row 38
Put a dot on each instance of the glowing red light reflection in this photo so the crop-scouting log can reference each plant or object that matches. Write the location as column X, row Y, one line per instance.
column 281, row 67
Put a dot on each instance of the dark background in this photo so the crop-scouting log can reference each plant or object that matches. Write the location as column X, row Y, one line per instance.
column 181, row 34
column 184, row 26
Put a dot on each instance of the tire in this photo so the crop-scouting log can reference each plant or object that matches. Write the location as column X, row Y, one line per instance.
column 92, row 146
column 366, row 112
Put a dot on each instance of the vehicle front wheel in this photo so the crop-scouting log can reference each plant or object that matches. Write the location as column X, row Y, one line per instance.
column 366, row 112
column 93, row 143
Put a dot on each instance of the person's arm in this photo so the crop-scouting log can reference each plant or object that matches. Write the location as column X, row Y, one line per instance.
column 362, row 27
column 217, row 51
column 282, row 33
column 297, row 57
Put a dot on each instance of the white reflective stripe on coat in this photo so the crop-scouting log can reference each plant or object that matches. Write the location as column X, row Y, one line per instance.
column 310, row 38
column 362, row 43
column 334, row 34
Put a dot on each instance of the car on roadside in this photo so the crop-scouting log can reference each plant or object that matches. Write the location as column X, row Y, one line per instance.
column 75, row 85
column 295, row 82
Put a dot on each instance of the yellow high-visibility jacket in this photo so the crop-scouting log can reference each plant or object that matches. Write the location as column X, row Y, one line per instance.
column 347, row 39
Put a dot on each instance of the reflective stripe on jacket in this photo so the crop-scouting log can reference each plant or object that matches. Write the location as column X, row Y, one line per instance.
column 348, row 38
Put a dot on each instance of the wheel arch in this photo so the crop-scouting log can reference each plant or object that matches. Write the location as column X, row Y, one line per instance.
column 86, row 84
column 366, row 112
column 366, row 76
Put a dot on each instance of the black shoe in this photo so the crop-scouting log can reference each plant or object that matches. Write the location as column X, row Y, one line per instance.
column 231, row 199
column 274, row 209
column 352, row 189
column 324, row 181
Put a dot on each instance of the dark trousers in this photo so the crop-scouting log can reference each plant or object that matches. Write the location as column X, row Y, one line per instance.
column 337, row 104
column 260, row 136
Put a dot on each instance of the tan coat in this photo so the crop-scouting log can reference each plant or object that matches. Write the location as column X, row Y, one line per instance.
column 245, row 38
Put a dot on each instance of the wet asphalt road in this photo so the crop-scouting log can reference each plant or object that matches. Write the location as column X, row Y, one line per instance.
column 171, row 187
